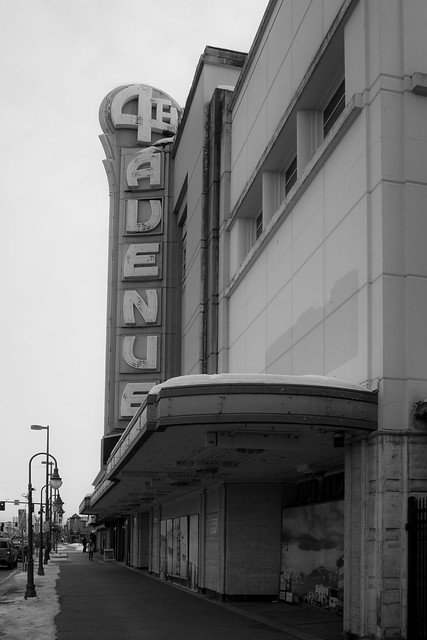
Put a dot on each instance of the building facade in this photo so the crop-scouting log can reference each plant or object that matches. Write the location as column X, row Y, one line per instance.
column 266, row 358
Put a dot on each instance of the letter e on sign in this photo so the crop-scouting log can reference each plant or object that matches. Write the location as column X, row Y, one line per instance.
column 132, row 397
column 140, row 261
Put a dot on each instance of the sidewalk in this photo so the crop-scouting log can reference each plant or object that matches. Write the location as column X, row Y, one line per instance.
column 301, row 622
column 166, row 603
column 305, row 621
column 89, row 600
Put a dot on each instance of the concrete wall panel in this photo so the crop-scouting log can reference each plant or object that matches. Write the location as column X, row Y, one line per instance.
column 278, row 44
column 416, row 296
column 279, row 95
column 415, row 232
column 308, row 354
column 346, row 340
column 307, row 29
column 253, row 539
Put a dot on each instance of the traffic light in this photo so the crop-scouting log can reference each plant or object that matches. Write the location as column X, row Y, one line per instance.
column 2, row 506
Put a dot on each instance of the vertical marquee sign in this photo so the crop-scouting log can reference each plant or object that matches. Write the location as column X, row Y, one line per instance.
column 137, row 121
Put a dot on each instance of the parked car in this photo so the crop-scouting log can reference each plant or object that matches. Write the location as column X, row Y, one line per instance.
column 8, row 553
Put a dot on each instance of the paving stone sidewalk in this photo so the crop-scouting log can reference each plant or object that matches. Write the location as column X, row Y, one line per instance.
column 112, row 602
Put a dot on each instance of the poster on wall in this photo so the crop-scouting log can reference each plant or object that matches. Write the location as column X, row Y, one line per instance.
column 312, row 567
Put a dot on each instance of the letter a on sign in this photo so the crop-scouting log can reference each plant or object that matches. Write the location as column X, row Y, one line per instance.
column 147, row 164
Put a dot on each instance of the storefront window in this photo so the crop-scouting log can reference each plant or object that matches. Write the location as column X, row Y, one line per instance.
column 179, row 549
column 169, row 547
column 183, row 547
column 163, row 548
column 193, row 552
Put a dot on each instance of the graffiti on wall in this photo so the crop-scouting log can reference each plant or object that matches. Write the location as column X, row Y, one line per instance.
column 312, row 567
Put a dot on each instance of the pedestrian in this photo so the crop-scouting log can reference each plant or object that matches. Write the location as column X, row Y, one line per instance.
column 91, row 549
column 84, row 543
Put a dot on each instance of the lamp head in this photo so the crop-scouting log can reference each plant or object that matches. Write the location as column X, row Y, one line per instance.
column 38, row 427
column 55, row 479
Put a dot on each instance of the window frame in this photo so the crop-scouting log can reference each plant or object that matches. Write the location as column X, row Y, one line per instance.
column 336, row 102
column 288, row 181
column 259, row 225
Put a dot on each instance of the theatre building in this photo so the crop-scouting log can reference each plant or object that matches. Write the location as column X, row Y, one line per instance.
column 266, row 373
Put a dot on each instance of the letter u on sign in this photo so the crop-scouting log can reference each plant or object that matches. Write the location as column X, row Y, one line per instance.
column 149, row 362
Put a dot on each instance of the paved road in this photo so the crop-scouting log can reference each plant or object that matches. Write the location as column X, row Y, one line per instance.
column 108, row 601
column 6, row 578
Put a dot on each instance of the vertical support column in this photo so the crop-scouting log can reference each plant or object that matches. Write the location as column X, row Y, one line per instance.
column 269, row 196
column 308, row 136
column 377, row 486
column 353, row 497
column 202, row 540
column 222, row 560
column 142, row 523
column 241, row 235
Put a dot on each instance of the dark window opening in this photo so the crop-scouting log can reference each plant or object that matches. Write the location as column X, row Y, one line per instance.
column 290, row 175
column 258, row 225
column 333, row 109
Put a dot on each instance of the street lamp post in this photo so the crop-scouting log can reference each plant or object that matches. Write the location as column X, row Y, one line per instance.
column 40, row 570
column 48, row 517
column 39, row 427
column 56, row 482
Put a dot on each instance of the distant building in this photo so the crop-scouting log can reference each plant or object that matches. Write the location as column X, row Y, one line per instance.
column 76, row 528
column 266, row 347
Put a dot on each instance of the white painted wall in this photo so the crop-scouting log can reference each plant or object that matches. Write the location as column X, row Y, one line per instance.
column 306, row 295
column 341, row 287
column 294, row 33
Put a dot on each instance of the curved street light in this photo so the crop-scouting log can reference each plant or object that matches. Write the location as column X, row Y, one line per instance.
column 39, row 427
column 56, row 482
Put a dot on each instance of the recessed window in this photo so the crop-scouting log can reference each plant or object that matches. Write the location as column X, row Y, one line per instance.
column 291, row 175
column 184, row 251
column 184, row 266
column 333, row 109
column 288, row 177
column 258, row 225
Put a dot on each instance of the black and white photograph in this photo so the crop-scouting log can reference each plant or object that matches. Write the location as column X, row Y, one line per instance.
column 213, row 223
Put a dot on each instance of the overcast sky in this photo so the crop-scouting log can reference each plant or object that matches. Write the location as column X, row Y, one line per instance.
column 59, row 58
